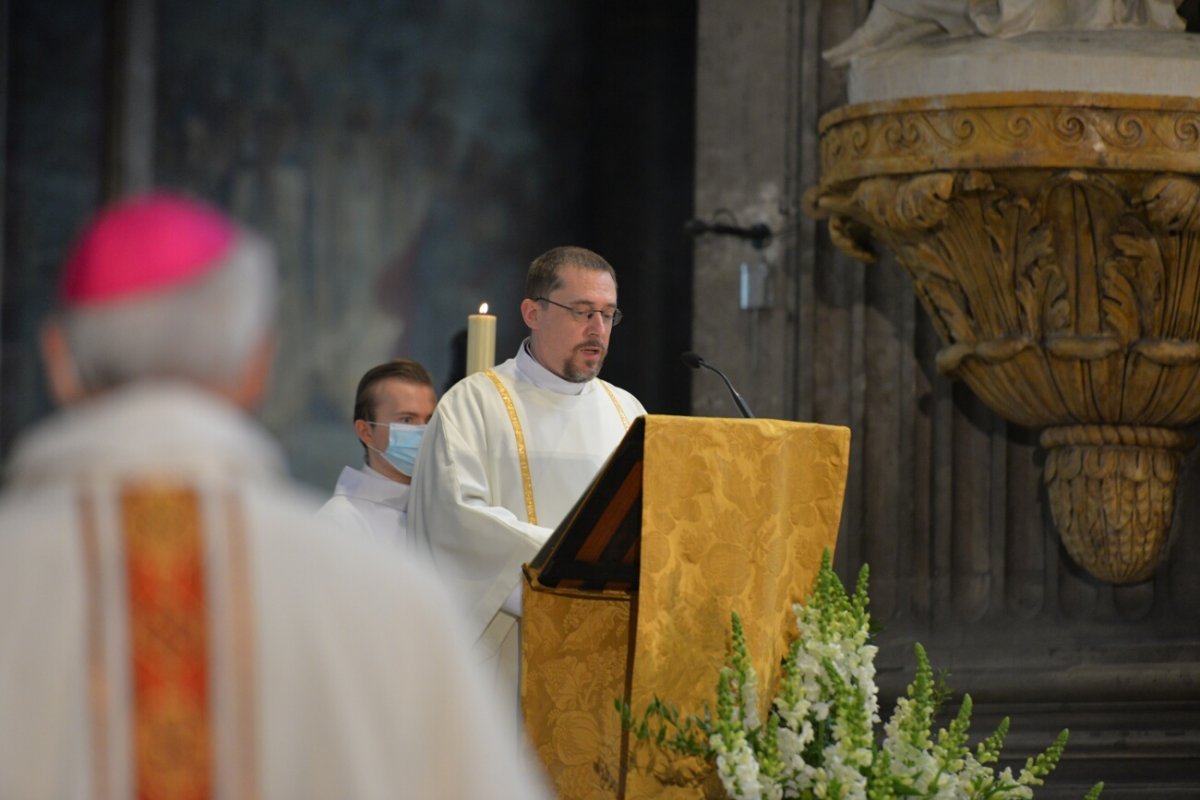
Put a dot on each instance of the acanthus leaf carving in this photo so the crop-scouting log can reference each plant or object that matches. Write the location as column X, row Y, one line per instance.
column 905, row 206
column 852, row 238
column 1173, row 203
column 946, row 303
column 1042, row 293
column 1023, row 247
column 848, row 234
column 902, row 212
column 930, row 259
column 1133, row 285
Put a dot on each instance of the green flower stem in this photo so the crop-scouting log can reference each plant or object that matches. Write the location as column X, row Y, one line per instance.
column 819, row 738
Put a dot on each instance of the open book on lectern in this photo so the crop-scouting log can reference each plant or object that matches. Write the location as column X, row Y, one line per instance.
column 597, row 545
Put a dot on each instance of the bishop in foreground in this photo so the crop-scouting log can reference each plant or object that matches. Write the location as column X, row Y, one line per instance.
column 174, row 619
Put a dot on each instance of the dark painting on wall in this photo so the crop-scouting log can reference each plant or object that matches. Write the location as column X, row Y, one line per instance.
column 409, row 159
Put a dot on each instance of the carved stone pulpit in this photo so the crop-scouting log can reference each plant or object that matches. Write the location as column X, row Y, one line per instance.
column 1053, row 237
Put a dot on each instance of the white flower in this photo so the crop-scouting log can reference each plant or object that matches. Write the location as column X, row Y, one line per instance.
column 750, row 701
column 737, row 767
column 824, row 716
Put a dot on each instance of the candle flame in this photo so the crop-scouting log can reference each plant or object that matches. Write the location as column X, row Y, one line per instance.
column 483, row 308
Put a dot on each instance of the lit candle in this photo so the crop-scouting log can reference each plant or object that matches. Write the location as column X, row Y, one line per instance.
column 481, row 340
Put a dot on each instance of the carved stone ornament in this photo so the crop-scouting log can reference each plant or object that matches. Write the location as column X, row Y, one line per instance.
column 1054, row 240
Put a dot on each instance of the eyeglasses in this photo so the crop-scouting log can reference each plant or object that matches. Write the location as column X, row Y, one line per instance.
column 611, row 318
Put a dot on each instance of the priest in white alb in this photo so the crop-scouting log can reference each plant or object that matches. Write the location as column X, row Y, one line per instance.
column 510, row 449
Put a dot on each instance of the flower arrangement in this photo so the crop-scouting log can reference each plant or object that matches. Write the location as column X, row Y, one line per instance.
column 819, row 740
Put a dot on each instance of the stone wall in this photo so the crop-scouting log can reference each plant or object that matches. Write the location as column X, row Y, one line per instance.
column 945, row 499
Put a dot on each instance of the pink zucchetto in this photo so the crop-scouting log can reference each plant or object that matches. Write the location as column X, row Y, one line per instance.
column 143, row 245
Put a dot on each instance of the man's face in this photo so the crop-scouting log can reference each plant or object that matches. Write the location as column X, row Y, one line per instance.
column 570, row 348
column 395, row 401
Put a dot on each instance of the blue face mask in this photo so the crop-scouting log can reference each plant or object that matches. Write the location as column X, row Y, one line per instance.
column 403, row 443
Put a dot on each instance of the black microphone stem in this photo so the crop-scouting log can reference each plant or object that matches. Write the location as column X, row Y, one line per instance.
column 695, row 362
column 737, row 398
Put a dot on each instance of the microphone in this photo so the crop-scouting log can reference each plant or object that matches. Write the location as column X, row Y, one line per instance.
column 696, row 362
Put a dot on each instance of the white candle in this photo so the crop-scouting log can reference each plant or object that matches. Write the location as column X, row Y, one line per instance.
column 481, row 340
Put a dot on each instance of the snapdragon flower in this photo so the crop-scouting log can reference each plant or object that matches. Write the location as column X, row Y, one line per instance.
column 819, row 739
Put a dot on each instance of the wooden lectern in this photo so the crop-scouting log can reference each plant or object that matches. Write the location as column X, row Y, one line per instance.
column 690, row 519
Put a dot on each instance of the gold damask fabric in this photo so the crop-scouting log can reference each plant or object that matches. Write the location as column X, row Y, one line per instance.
column 574, row 651
column 735, row 516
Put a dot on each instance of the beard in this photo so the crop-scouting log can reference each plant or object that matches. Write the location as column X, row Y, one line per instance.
column 584, row 373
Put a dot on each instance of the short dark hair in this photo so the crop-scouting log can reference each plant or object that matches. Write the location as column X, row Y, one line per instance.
column 404, row 369
column 544, row 273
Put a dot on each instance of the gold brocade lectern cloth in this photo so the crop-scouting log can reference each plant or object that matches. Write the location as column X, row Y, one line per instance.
column 735, row 515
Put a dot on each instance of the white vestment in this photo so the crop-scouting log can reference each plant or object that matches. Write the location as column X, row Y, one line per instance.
column 333, row 665
column 468, row 507
column 369, row 503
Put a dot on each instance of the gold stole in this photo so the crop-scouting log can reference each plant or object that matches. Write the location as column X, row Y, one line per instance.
column 163, row 542
column 522, row 452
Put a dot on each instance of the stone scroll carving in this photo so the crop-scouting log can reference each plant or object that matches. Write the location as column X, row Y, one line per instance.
column 1056, row 249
